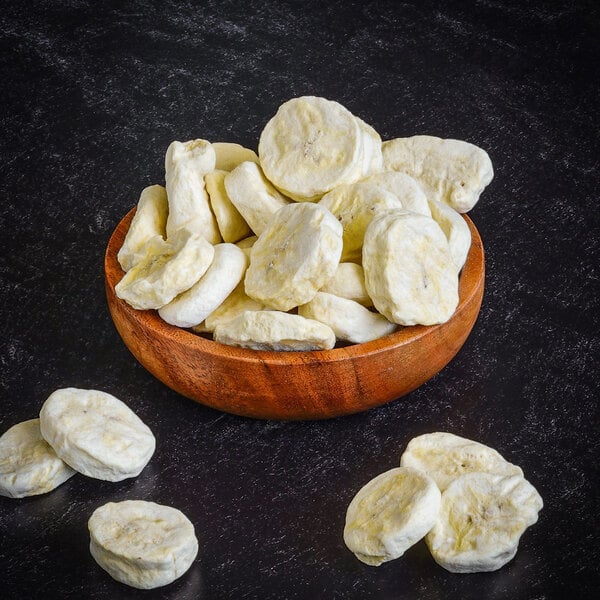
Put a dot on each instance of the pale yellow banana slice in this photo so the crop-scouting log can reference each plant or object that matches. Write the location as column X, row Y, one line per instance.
column 348, row 281
column 229, row 156
column 404, row 187
column 455, row 228
column 481, row 520
column 295, row 256
column 142, row 544
column 390, row 514
column 450, row 171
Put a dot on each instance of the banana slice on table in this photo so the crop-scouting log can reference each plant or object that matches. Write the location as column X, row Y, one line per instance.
column 150, row 220
column 481, row 520
column 28, row 464
column 450, row 171
column 456, row 230
column 445, row 456
column 404, row 187
column 96, row 434
column 194, row 305
column 295, row 256
column 348, row 281
column 391, row 513
column 228, row 155
column 142, row 544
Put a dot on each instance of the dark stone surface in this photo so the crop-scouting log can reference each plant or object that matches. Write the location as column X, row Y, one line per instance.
column 91, row 95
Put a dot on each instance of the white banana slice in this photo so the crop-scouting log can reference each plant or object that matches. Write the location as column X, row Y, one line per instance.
column 168, row 269
column 231, row 223
column 450, row 171
column 295, row 256
column 404, row 187
column 253, row 196
column 354, row 206
column 350, row 321
column 445, row 456
column 142, row 544
column 348, row 281
column 150, row 220
column 481, row 520
column 185, row 166
column 372, row 155
column 194, row 305
column 96, row 434
column 274, row 330
column 390, row 514
column 28, row 464
column 310, row 146
column 229, row 156
column 409, row 272
column 456, row 230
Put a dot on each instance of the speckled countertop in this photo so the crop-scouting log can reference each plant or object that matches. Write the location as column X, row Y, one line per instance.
column 91, row 95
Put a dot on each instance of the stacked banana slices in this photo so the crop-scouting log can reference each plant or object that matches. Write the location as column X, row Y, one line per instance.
column 469, row 504
column 337, row 228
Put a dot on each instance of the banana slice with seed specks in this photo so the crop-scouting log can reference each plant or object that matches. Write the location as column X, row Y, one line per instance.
column 390, row 514
column 456, row 230
column 142, row 544
column 150, row 220
column 349, row 282
column 228, row 155
column 445, row 456
column 450, row 171
column 185, row 166
column 481, row 520
column 295, row 256
column 193, row 306
column 404, row 187
column 169, row 269
column 409, row 272
column 96, row 434
column 28, row 464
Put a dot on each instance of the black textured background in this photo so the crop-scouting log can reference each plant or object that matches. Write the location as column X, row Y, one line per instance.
column 91, row 94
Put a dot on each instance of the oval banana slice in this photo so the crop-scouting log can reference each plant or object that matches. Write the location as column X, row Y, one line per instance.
column 310, row 146
column 348, row 281
column 456, row 230
column 150, row 220
column 294, row 257
column 96, row 434
column 28, row 464
column 404, row 187
column 391, row 513
column 142, row 544
column 228, row 155
column 481, row 520
column 445, row 456
column 194, row 305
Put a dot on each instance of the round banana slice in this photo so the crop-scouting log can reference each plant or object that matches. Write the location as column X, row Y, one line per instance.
column 96, row 434
column 28, row 464
column 294, row 257
column 450, row 171
column 229, row 156
column 350, row 321
column 142, row 544
column 404, row 187
column 481, row 520
column 390, row 514
column 409, row 272
column 349, row 282
column 168, row 269
column 150, row 220
column 372, row 155
column 274, row 330
column 354, row 206
column 253, row 196
column 310, row 146
column 445, row 456
column 456, row 230
column 193, row 306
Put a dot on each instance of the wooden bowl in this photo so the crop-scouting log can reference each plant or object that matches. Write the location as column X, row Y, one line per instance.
column 293, row 385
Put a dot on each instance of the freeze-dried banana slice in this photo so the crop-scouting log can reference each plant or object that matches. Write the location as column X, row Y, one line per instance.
column 354, row 206
column 310, row 146
column 96, row 434
column 28, row 464
column 409, row 272
column 456, row 229
column 229, row 155
column 274, row 330
column 450, row 171
column 481, row 520
column 193, row 306
column 390, row 514
column 168, row 269
column 372, row 155
column 253, row 196
column 350, row 321
column 231, row 223
column 445, row 456
column 348, row 281
column 185, row 166
column 295, row 256
column 142, row 544
column 150, row 220
column 404, row 187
